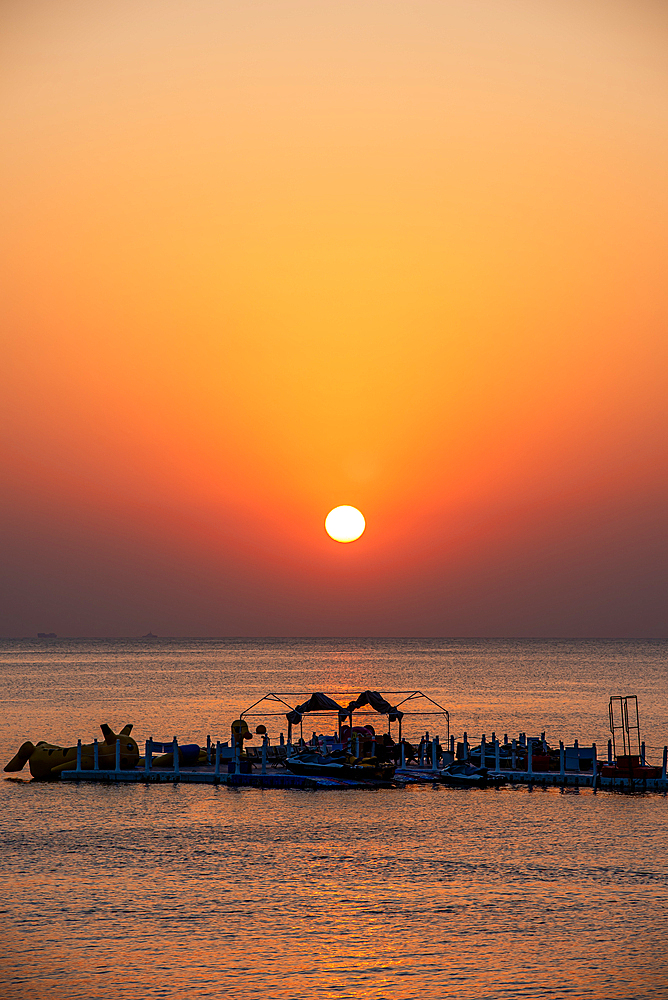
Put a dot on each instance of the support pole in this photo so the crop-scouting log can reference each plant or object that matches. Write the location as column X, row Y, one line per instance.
column 452, row 746
column 118, row 755
column 208, row 749
column 513, row 755
column 217, row 765
column 562, row 761
column 175, row 755
column 530, row 758
column 642, row 753
column 96, row 756
column 664, row 766
column 264, row 754
column 434, row 753
column 497, row 756
column 482, row 751
column 466, row 747
column 403, row 754
column 609, row 751
column 78, row 756
column 148, row 754
column 594, row 767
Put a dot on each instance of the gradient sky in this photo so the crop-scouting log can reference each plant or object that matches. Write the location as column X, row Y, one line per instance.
column 263, row 258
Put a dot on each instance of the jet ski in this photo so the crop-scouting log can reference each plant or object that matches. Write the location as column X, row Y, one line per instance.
column 339, row 765
column 464, row 775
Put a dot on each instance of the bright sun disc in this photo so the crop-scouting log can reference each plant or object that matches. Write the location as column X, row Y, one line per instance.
column 344, row 524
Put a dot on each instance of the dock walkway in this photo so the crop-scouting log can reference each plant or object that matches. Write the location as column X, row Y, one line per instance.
column 206, row 776
column 275, row 778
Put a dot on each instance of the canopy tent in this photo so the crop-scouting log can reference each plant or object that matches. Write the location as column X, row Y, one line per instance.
column 410, row 705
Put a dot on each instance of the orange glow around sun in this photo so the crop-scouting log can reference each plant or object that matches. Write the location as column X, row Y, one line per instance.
column 256, row 256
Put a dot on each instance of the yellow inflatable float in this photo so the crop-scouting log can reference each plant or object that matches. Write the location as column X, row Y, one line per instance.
column 47, row 761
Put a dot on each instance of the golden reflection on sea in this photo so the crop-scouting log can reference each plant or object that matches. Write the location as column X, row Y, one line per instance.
column 421, row 893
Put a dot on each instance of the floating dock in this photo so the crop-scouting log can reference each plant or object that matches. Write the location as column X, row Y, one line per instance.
column 274, row 778
column 203, row 776
column 493, row 763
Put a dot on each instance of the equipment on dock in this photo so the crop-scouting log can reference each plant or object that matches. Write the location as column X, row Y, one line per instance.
column 630, row 766
column 625, row 723
column 351, row 753
column 339, row 765
column 190, row 755
column 468, row 776
column 46, row 760
column 340, row 709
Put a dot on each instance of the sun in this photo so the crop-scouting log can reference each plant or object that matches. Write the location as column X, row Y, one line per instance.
column 344, row 524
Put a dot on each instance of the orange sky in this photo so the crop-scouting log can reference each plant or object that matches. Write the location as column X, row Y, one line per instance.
column 261, row 259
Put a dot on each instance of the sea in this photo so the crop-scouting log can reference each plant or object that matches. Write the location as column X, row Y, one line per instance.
column 416, row 893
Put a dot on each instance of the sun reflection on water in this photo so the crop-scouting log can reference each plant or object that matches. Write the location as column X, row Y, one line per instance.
column 424, row 892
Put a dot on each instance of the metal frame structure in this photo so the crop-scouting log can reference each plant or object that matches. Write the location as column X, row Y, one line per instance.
column 279, row 697
column 618, row 709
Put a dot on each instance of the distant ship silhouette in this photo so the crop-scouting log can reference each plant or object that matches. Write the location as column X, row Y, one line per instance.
column 149, row 635
column 47, row 635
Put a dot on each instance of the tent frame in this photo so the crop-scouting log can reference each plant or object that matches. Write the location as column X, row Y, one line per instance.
column 279, row 698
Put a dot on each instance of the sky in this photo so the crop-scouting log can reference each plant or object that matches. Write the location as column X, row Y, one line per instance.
column 260, row 259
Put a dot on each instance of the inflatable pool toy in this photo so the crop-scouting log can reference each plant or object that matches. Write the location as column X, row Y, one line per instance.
column 47, row 761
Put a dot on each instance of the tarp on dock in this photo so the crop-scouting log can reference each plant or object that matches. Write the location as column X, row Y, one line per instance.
column 377, row 702
column 318, row 702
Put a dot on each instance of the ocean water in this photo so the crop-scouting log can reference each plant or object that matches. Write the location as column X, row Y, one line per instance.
column 423, row 892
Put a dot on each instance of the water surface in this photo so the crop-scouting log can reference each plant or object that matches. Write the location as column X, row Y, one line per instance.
column 202, row 892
